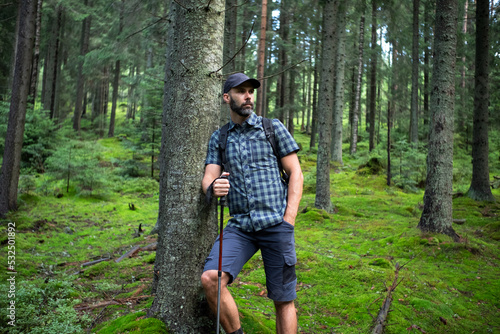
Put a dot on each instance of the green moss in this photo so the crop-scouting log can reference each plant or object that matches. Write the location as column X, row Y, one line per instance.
column 381, row 263
column 134, row 323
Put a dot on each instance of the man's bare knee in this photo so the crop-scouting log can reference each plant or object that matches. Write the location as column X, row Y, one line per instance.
column 209, row 279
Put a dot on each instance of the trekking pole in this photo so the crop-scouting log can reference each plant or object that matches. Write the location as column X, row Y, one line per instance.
column 222, row 201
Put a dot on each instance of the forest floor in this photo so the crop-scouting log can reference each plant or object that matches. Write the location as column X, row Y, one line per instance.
column 346, row 260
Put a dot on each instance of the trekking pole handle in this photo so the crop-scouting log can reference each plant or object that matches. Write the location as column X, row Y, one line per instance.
column 224, row 176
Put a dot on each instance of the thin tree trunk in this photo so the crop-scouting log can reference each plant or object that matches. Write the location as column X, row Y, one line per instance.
column 437, row 213
column 480, row 186
column 338, row 113
column 57, row 29
column 84, row 46
column 9, row 173
column 325, row 107
column 261, row 58
column 373, row 77
column 314, row 122
column 414, row 76
column 357, row 98
column 36, row 55
column 187, row 226
column 463, row 96
column 116, row 80
column 426, row 64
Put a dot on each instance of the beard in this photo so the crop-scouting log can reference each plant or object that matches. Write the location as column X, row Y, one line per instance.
column 244, row 112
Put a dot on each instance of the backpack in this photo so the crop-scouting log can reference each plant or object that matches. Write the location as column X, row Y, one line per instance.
column 267, row 124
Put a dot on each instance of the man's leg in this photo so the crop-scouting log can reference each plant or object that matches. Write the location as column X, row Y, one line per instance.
column 229, row 317
column 286, row 318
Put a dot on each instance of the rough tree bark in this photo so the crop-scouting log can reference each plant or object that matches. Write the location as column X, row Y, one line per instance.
column 187, row 226
column 437, row 213
column 480, row 186
column 414, row 76
column 9, row 173
column 325, row 107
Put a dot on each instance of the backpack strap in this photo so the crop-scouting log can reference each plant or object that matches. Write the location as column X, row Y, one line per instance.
column 222, row 147
column 268, row 126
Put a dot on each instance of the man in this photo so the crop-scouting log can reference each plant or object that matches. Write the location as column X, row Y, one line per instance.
column 262, row 206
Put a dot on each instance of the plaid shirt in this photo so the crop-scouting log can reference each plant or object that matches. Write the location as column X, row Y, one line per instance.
column 257, row 197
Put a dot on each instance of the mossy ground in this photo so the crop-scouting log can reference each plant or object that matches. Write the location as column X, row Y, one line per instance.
column 346, row 259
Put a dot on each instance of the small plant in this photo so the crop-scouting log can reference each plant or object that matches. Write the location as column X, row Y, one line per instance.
column 44, row 307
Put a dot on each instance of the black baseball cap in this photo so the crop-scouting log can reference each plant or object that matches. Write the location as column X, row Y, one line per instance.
column 237, row 79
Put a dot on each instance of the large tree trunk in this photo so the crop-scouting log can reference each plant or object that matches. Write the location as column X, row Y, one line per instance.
column 480, row 186
column 414, row 76
column 338, row 112
column 9, row 173
column 437, row 213
column 187, row 226
column 373, row 78
column 325, row 107
column 84, row 47
column 357, row 92
column 261, row 59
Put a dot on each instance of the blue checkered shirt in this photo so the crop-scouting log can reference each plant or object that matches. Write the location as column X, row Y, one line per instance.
column 257, row 196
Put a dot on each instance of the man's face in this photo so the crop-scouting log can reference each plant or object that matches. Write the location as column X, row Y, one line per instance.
column 241, row 99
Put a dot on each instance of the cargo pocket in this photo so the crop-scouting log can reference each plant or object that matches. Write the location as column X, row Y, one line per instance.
column 289, row 274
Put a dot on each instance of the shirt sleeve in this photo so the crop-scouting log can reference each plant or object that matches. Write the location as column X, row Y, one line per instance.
column 285, row 141
column 213, row 156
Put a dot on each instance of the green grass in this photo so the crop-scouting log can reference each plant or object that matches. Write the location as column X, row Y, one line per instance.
column 346, row 259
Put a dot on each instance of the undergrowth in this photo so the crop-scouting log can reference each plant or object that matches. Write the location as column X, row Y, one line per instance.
column 346, row 259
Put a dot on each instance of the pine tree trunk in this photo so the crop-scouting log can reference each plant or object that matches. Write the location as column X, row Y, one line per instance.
column 357, row 92
column 437, row 213
column 9, row 173
column 187, row 226
column 36, row 55
column 57, row 31
column 414, row 76
column 338, row 112
column 314, row 121
column 426, row 64
column 480, row 186
column 325, row 107
column 373, row 78
column 116, row 80
column 84, row 47
column 261, row 59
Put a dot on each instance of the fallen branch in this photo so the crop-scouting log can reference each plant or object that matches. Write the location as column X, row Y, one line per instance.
column 91, row 263
column 384, row 310
column 133, row 252
column 110, row 302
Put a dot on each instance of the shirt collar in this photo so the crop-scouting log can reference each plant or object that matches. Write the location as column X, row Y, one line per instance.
column 253, row 121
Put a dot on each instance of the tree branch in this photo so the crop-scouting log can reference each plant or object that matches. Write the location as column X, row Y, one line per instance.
column 246, row 42
column 286, row 69
column 149, row 25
